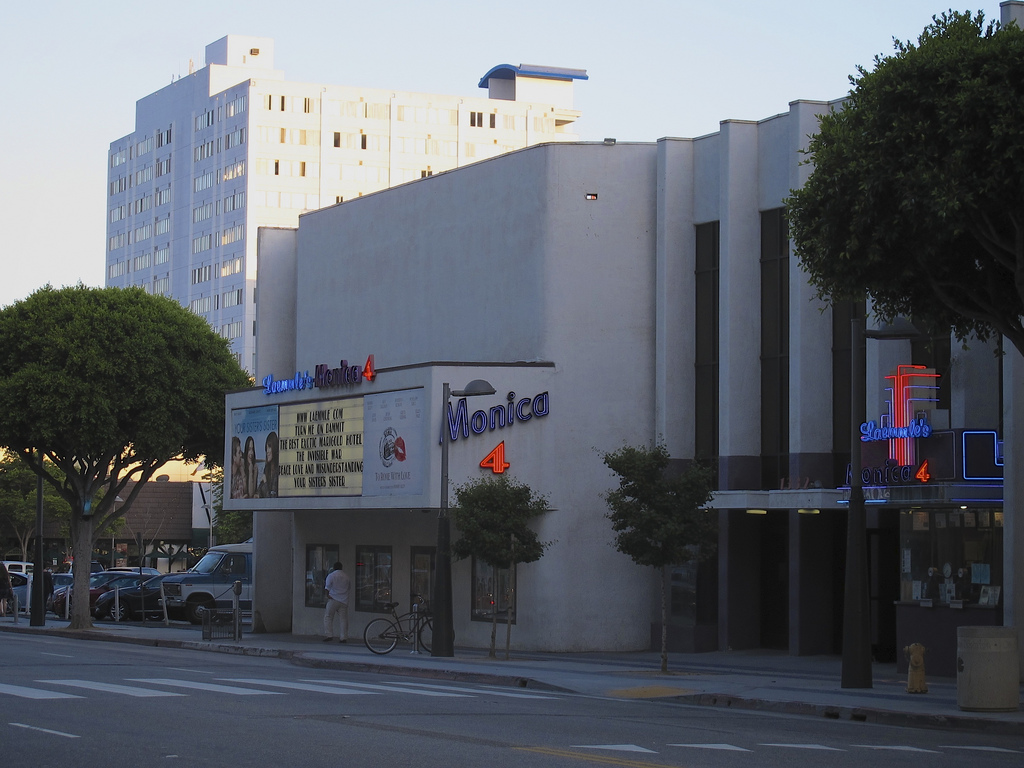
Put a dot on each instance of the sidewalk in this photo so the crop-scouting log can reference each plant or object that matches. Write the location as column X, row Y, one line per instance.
column 752, row 680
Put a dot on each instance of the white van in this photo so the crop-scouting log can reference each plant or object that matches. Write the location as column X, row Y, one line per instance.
column 208, row 584
column 18, row 566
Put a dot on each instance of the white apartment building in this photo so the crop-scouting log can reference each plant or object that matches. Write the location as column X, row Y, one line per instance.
column 235, row 146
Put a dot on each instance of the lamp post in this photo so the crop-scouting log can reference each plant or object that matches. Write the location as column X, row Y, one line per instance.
column 856, row 667
column 443, row 641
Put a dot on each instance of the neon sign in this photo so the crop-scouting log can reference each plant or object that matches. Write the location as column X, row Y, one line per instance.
column 323, row 377
column 902, row 425
column 497, row 417
column 870, row 431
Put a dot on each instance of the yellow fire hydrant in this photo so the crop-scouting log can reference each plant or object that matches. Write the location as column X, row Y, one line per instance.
column 915, row 672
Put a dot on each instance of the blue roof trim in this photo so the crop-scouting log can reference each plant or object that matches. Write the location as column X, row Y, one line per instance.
column 510, row 72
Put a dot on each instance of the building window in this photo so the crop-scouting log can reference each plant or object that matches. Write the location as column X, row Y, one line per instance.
column 493, row 592
column 373, row 578
column 320, row 558
column 362, row 141
column 774, row 348
column 476, row 119
column 706, row 333
column 421, row 573
column 201, row 274
column 494, row 120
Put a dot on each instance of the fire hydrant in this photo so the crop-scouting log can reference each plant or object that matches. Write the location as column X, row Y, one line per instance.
column 915, row 672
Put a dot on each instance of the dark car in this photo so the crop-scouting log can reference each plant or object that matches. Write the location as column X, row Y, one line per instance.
column 98, row 584
column 129, row 600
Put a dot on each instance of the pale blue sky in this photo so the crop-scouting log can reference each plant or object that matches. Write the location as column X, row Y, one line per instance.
column 72, row 72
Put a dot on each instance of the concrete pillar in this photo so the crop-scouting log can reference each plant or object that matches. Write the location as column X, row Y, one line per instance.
column 1013, row 493
column 675, row 342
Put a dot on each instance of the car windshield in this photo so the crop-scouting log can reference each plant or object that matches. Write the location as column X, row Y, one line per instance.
column 208, row 563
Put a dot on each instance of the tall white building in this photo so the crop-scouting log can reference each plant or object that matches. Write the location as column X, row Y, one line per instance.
column 235, row 146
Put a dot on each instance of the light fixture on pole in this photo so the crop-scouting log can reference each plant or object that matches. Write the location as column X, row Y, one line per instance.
column 443, row 640
column 856, row 665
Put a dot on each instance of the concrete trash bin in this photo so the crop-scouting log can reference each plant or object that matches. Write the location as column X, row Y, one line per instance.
column 988, row 669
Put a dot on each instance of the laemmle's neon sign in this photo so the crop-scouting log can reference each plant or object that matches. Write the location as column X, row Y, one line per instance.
column 913, row 389
column 324, row 376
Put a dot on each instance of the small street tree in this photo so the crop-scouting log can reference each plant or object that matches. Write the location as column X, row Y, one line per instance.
column 916, row 197
column 108, row 385
column 18, row 499
column 493, row 518
column 660, row 517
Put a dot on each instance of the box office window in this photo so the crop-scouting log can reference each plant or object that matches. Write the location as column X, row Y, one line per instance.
column 320, row 558
column 493, row 591
column 373, row 578
column 950, row 555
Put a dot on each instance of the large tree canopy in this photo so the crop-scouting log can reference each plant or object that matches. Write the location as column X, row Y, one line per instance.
column 916, row 198
column 109, row 384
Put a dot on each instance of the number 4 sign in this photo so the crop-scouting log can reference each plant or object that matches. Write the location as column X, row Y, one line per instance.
column 495, row 460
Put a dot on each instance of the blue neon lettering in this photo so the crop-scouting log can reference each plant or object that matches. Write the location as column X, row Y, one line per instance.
column 300, row 381
column 520, row 413
column 870, row 431
column 460, row 423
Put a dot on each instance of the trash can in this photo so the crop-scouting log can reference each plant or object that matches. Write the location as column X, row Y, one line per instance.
column 987, row 669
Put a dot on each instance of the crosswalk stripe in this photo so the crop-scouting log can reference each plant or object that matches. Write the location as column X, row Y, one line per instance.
column 205, row 686
column 395, row 689
column 724, row 747
column 298, row 686
column 481, row 691
column 124, row 690
column 805, row 746
column 35, row 693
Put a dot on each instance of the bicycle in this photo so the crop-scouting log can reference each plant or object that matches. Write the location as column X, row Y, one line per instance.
column 382, row 635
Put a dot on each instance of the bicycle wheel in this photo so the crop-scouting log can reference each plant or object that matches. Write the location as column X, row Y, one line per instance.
column 380, row 636
column 426, row 634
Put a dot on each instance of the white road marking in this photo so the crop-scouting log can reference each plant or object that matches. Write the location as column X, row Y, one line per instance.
column 205, row 686
column 726, row 747
column 298, row 686
column 393, row 689
column 35, row 693
column 804, row 746
column 47, row 730
column 980, row 749
column 124, row 690
column 480, row 691
column 616, row 748
column 896, row 748
column 59, row 655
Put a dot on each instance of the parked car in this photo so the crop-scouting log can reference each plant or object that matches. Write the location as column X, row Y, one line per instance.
column 130, row 569
column 130, row 600
column 60, row 581
column 18, row 566
column 21, row 584
column 98, row 584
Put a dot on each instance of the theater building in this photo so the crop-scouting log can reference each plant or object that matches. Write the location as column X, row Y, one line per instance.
column 611, row 293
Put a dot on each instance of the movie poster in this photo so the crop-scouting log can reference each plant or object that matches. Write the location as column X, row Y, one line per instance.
column 395, row 461
column 253, row 466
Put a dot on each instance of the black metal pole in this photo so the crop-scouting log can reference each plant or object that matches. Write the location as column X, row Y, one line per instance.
column 38, row 616
column 443, row 640
column 856, row 670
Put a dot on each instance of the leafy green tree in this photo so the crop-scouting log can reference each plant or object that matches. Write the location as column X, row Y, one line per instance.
column 18, row 499
column 916, row 198
column 493, row 515
column 660, row 516
column 110, row 384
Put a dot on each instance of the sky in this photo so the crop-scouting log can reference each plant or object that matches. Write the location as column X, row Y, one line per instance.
column 72, row 72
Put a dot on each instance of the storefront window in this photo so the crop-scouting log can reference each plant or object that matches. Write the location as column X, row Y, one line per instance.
column 493, row 590
column 320, row 558
column 373, row 578
column 951, row 555
column 421, row 573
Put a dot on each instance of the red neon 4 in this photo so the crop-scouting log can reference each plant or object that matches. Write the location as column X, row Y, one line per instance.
column 495, row 460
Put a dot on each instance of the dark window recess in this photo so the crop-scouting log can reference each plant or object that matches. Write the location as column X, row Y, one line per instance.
column 774, row 349
column 706, row 331
column 337, row 138
column 362, row 141
column 494, row 120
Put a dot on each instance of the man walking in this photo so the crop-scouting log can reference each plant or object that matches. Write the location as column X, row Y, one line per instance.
column 337, row 586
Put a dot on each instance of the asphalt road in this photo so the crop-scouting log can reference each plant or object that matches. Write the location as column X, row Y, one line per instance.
column 71, row 703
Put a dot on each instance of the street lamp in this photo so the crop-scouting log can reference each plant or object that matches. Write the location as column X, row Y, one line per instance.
column 856, row 668
column 443, row 641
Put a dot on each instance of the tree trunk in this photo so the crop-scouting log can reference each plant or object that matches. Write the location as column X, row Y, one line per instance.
column 664, row 619
column 508, row 618
column 81, row 548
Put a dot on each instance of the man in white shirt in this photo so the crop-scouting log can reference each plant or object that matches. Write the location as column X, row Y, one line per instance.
column 337, row 586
